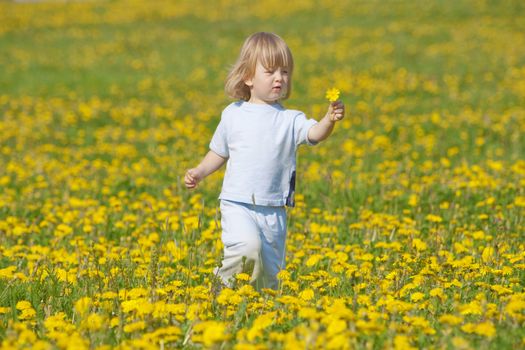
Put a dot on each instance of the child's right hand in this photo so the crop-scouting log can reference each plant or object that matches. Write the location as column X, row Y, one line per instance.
column 336, row 111
column 192, row 178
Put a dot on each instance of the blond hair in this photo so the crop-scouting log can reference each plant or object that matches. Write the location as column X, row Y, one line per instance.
column 268, row 49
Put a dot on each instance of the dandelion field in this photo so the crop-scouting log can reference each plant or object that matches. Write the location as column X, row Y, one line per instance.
column 408, row 230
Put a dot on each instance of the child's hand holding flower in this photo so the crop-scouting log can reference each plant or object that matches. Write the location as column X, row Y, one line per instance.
column 336, row 110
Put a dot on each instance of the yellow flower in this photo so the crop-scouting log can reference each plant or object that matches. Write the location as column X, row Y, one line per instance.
column 8, row 272
column 132, row 327
column 313, row 259
column 460, row 343
column 93, row 322
column 242, row 277
column 336, row 326
column 225, row 297
column 419, row 244
column 438, row 292
column 284, row 275
column 450, row 319
column 260, row 324
column 472, row 308
column 307, row 294
column 114, row 322
column 417, row 296
column 27, row 311
column 487, row 254
column 413, row 200
column 23, row 305
column 332, row 94
column 514, row 308
column 433, row 218
column 27, row 314
column 519, row 201
column 486, row 329
column 402, row 342
column 339, row 341
column 82, row 305
column 308, row 312
column 212, row 332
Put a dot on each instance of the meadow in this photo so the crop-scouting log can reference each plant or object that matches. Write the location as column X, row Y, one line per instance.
column 409, row 227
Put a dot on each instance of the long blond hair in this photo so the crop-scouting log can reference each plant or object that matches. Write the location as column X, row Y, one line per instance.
column 267, row 48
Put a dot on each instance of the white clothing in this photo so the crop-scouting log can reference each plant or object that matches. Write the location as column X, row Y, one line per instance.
column 254, row 239
column 261, row 142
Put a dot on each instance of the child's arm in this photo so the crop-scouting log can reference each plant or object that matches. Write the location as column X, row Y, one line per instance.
column 211, row 162
column 323, row 129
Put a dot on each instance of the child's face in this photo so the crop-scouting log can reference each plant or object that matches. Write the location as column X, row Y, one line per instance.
column 268, row 85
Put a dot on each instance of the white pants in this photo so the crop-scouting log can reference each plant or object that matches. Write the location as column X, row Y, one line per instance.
column 254, row 238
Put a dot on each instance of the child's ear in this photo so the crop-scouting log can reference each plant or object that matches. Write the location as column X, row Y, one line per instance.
column 248, row 82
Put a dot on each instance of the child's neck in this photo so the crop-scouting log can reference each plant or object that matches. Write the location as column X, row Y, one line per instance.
column 261, row 102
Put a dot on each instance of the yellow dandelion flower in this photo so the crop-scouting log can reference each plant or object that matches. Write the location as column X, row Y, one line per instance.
column 306, row 295
column 284, row 275
column 339, row 341
column 449, row 319
column 242, row 277
column 114, row 322
column 417, row 296
column 468, row 327
column 212, row 332
column 434, row 218
column 27, row 314
column 82, row 305
column 308, row 312
column 413, row 200
column 314, row 259
column 513, row 308
column 93, row 322
column 519, row 201
column 483, row 216
column 336, row 326
column 260, row 324
column 8, row 272
column 487, row 254
column 419, row 245
column 460, row 343
column 402, row 342
column 225, row 296
column 136, row 326
column 485, row 329
column 332, row 94
column 23, row 305
column 438, row 292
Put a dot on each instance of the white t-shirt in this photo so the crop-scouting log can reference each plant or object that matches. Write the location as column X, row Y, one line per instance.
column 260, row 142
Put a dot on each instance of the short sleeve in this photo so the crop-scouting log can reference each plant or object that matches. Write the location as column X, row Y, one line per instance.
column 301, row 127
column 219, row 143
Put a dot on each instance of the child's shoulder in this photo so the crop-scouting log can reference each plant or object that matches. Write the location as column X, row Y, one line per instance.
column 230, row 110
column 292, row 113
column 232, row 106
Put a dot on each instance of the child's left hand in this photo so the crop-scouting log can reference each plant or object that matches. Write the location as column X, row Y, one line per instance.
column 336, row 111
